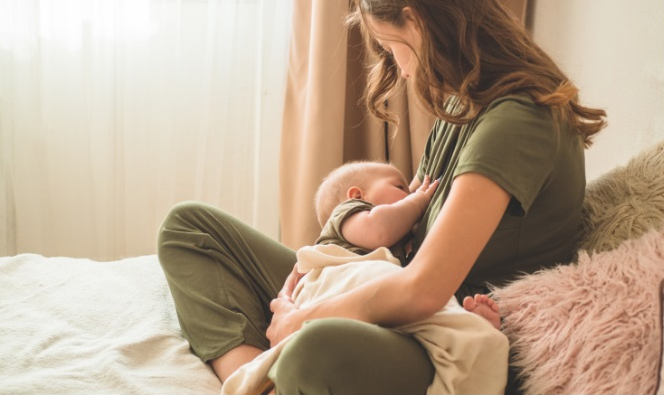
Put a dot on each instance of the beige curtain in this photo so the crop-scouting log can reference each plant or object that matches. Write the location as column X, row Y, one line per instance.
column 325, row 120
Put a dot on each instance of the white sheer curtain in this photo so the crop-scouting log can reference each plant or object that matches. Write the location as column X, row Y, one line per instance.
column 112, row 111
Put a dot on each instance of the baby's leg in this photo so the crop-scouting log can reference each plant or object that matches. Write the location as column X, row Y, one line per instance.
column 485, row 307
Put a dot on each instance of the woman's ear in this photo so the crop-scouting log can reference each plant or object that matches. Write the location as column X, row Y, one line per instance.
column 412, row 26
column 354, row 192
column 409, row 15
column 411, row 18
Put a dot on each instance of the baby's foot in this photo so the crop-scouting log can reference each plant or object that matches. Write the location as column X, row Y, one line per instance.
column 485, row 307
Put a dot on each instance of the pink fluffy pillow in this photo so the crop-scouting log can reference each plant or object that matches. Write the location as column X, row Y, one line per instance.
column 660, row 388
column 591, row 327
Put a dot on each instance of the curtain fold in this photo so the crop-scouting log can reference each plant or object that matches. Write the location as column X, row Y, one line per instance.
column 325, row 120
column 113, row 111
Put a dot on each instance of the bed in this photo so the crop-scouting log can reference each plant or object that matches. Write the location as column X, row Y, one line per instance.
column 77, row 326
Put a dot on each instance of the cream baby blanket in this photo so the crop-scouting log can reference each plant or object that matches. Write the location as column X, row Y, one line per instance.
column 470, row 356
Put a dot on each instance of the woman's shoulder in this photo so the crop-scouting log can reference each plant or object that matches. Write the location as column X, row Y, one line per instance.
column 510, row 110
column 520, row 103
column 520, row 115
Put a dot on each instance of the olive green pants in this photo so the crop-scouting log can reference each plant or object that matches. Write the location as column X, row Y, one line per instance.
column 223, row 274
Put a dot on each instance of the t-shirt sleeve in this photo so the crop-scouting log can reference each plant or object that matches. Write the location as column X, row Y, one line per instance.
column 514, row 144
column 331, row 233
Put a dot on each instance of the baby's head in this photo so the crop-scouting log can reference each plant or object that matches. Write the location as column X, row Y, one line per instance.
column 375, row 182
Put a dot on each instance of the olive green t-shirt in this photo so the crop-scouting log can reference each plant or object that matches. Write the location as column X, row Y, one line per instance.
column 514, row 142
column 331, row 232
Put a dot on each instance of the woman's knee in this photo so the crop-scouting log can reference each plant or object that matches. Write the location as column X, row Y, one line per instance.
column 189, row 217
column 344, row 356
column 182, row 215
column 182, row 228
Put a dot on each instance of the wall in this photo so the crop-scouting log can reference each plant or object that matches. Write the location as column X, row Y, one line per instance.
column 614, row 51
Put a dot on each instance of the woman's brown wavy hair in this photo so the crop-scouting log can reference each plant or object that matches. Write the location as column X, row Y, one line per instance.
column 476, row 52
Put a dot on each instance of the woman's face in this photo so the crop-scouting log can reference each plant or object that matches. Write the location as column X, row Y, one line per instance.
column 399, row 41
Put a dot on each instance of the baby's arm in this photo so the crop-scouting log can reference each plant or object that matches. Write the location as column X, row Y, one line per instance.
column 386, row 224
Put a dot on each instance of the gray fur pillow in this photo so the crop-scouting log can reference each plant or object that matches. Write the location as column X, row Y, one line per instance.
column 624, row 203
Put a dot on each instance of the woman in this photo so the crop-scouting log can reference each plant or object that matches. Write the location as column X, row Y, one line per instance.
column 508, row 145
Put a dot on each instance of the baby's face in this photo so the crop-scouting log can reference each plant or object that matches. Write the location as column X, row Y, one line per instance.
column 387, row 186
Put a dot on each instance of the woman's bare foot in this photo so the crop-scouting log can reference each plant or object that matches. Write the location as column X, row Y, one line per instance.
column 485, row 307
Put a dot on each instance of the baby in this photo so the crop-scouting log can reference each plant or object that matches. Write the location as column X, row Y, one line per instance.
column 364, row 205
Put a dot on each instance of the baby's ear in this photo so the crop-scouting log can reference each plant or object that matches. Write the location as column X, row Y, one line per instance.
column 354, row 193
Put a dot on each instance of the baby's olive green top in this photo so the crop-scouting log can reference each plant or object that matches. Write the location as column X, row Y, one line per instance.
column 331, row 233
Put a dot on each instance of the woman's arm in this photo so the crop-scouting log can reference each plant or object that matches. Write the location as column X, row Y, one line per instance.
column 463, row 227
column 386, row 224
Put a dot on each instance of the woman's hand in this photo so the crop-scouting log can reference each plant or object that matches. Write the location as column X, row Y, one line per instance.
column 284, row 321
column 290, row 283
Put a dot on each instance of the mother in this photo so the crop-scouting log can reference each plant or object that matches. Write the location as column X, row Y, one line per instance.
column 508, row 145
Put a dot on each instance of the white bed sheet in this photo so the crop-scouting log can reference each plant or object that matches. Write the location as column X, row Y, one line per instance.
column 76, row 326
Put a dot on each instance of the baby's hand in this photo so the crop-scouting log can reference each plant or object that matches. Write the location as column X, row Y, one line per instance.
column 428, row 188
column 423, row 194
